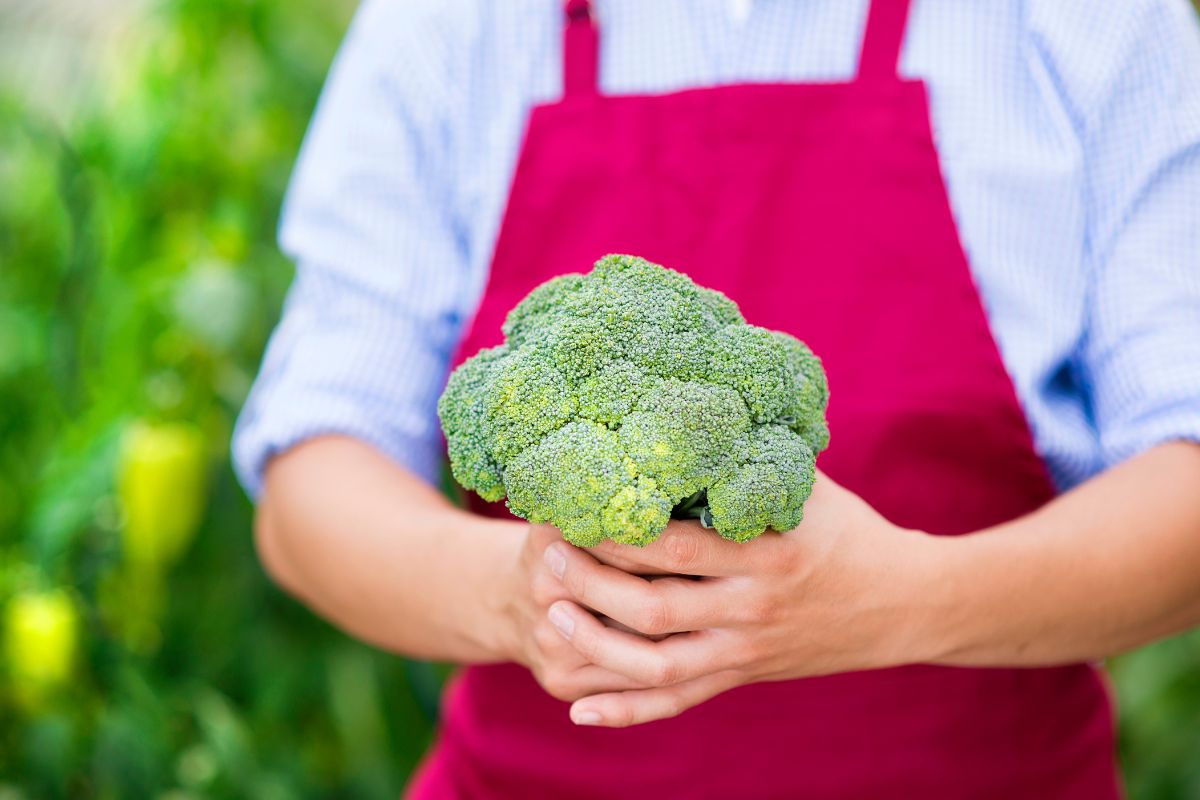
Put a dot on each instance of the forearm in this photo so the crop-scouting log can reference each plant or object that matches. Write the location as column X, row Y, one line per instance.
column 1104, row 568
column 383, row 555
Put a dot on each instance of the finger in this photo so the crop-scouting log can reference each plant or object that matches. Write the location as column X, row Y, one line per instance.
column 666, row 605
column 564, row 673
column 588, row 680
column 675, row 659
column 622, row 709
column 684, row 548
column 573, row 682
column 612, row 623
column 614, row 558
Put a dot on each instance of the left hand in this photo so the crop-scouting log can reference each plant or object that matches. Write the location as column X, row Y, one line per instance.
column 841, row 592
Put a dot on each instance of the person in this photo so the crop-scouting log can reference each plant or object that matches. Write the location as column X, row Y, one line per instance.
column 982, row 216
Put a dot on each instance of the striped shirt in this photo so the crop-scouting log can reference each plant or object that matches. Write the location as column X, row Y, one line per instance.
column 1069, row 135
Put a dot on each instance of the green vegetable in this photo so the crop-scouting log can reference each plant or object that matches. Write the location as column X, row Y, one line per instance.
column 161, row 483
column 630, row 395
column 40, row 643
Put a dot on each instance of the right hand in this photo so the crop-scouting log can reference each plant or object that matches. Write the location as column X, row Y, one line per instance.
column 534, row 641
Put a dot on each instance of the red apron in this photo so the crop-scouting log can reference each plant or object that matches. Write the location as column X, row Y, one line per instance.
column 820, row 209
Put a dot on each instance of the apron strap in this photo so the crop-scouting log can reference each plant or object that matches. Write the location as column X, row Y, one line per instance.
column 880, row 57
column 581, row 47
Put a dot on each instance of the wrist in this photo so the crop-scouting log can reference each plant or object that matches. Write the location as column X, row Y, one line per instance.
column 928, row 599
column 962, row 613
column 490, row 624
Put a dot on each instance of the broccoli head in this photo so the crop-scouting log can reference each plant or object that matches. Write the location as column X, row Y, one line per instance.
column 629, row 395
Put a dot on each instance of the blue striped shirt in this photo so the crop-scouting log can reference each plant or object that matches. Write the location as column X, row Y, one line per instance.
column 1069, row 133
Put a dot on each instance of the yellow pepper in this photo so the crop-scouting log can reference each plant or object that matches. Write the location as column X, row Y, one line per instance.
column 162, row 485
column 40, row 633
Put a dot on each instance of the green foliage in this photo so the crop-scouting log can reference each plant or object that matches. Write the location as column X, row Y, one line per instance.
column 1158, row 701
column 139, row 278
column 629, row 393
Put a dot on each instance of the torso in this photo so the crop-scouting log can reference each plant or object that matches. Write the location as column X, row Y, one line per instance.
column 821, row 210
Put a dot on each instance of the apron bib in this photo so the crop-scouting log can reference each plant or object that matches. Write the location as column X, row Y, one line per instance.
column 821, row 210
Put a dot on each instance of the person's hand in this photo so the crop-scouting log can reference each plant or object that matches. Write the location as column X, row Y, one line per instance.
column 841, row 592
column 532, row 639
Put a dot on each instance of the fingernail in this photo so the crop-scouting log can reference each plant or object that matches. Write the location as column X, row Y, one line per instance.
column 587, row 718
column 561, row 620
column 555, row 560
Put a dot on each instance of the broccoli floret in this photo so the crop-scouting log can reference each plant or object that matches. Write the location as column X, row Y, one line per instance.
column 538, row 305
column 461, row 408
column 683, row 434
column 805, row 414
column 629, row 395
column 767, row 489
column 637, row 513
column 568, row 478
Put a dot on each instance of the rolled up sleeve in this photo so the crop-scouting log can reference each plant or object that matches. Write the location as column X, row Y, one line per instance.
column 1141, row 353
column 382, row 281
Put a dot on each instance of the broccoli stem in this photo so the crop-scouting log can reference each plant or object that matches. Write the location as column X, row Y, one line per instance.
column 694, row 507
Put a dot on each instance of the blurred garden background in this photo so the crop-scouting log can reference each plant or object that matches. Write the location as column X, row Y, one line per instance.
column 144, row 149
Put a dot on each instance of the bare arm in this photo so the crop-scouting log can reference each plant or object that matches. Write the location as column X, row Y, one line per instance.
column 1109, row 566
column 385, row 556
